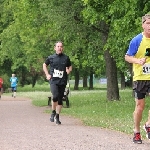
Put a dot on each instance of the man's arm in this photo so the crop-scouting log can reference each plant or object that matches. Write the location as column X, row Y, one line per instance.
column 133, row 60
column 48, row 76
column 68, row 69
column 69, row 66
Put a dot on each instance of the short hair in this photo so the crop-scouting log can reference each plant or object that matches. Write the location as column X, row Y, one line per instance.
column 146, row 16
column 58, row 42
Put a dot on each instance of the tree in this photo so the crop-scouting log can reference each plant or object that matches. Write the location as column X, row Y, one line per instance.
column 103, row 14
column 22, row 39
column 100, row 20
column 81, row 40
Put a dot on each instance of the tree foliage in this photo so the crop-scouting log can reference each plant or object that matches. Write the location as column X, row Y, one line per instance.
column 29, row 29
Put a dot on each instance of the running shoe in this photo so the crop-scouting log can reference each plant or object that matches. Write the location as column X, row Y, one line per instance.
column 147, row 130
column 137, row 138
column 52, row 117
column 57, row 121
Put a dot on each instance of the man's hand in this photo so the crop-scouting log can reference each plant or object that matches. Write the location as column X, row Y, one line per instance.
column 48, row 76
column 142, row 61
column 67, row 70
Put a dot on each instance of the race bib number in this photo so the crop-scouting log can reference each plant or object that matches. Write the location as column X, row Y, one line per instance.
column 146, row 69
column 58, row 73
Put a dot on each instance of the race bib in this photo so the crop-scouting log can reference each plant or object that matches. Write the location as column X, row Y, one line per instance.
column 58, row 73
column 146, row 69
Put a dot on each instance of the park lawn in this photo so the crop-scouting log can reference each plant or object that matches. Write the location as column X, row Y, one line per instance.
column 92, row 108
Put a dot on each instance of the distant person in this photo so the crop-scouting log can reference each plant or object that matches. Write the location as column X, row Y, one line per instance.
column 139, row 55
column 14, row 81
column 60, row 67
column 1, row 86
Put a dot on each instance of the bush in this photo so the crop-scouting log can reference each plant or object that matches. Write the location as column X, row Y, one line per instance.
column 6, row 82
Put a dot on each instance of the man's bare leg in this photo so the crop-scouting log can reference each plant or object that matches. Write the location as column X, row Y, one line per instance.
column 58, row 109
column 54, row 104
column 137, row 115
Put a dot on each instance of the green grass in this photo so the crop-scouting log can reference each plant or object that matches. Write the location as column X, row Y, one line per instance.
column 92, row 108
column 45, row 87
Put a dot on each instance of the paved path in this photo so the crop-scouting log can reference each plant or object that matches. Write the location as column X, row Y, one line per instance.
column 26, row 127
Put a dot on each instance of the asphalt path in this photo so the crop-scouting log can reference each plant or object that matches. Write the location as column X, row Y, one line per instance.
column 27, row 127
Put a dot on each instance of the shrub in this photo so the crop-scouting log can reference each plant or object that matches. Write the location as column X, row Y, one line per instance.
column 6, row 82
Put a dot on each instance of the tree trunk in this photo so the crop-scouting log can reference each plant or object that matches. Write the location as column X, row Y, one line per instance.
column 123, row 85
column 76, row 85
column 91, row 80
column 111, row 68
column 131, row 72
column 34, row 79
column 111, row 73
column 84, row 81
column 23, row 76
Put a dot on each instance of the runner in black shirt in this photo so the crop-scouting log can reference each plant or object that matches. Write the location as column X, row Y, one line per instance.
column 60, row 67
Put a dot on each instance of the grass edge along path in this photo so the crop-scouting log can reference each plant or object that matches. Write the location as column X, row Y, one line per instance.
column 92, row 108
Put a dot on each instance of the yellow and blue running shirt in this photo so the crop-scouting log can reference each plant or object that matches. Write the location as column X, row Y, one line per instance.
column 137, row 48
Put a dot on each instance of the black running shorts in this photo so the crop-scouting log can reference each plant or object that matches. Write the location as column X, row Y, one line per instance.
column 141, row 87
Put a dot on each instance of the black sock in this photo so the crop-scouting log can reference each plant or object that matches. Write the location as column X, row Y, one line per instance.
column 54, row 111
column 57, row 115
